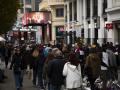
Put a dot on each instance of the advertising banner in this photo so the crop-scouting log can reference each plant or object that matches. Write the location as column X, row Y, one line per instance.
column 36, row 18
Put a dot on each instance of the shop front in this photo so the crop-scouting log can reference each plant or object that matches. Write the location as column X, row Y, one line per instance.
column 114, row 17
column 60, row 34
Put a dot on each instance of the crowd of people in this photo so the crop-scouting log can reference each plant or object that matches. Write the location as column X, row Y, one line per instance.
column 57, row 66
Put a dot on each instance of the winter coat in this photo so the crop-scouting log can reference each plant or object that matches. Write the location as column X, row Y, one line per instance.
column 17, row 63
column 73, row 75
column 26, row 55
column 55, row 69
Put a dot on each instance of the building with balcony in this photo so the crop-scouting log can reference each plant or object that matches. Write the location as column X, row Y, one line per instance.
column 97, row 21
column 113, row 13
column 58, row 18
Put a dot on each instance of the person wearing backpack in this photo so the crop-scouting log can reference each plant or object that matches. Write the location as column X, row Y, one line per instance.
column 16, row 65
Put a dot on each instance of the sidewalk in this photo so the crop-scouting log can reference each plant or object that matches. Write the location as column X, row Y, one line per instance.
column 9, row 83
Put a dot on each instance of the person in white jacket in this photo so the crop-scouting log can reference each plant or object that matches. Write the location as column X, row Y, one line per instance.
column 72, row 72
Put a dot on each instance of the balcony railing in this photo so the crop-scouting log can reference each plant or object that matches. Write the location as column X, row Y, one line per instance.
column 56, row 2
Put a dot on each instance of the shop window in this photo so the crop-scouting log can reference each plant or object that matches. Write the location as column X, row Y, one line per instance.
column 59, row 33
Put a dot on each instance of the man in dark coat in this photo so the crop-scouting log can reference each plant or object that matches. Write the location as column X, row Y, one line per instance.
column 55, row 69
column 16, row 64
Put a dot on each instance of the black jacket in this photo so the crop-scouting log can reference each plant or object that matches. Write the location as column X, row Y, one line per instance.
column 17, row 62
column 55, row 69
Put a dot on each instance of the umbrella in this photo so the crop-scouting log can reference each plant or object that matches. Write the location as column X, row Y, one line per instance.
column 2, row 39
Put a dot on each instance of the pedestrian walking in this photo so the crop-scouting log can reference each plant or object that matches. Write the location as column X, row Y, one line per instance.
column 55, row 69
column 16, row 65
column 35, row 58
column 104, row 68
column 92, row 67
column 112, row 63
column 40, row 67
column 72, row 73
column 45, row 70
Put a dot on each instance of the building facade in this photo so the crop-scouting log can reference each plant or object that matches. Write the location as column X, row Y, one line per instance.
column 58, row 18
column 25, row 33
column 87, row 18
column 113, row 13
column 96, row 21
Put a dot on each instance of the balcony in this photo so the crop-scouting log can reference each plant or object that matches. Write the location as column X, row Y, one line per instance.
column 56, row 2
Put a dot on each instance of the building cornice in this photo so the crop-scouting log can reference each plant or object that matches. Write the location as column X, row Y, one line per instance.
column 112, row 9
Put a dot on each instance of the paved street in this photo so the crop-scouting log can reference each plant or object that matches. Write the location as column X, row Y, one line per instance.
column 9, row 83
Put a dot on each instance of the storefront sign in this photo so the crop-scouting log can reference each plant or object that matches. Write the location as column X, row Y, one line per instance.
column 109, row 26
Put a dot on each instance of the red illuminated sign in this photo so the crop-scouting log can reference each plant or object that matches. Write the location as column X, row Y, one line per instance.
column 109, row 26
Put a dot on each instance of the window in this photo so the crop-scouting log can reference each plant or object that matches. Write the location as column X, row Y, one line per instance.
column 28, row 2
column 37, row 5
column 95, row 8
column 82, row 33
column 104, row 6
column 28, row 9
column 88, row 8
column 66, row 13
column 70, row 8
column 59, row 12
column 75, row 10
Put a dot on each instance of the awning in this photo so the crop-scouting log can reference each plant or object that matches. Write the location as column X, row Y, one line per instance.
column 2, row 39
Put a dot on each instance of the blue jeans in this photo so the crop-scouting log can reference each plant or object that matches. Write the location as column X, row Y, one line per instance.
column 47, row 84
column 55, row 87
column 34, row 76
column 40, row 79
column 18, row 80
